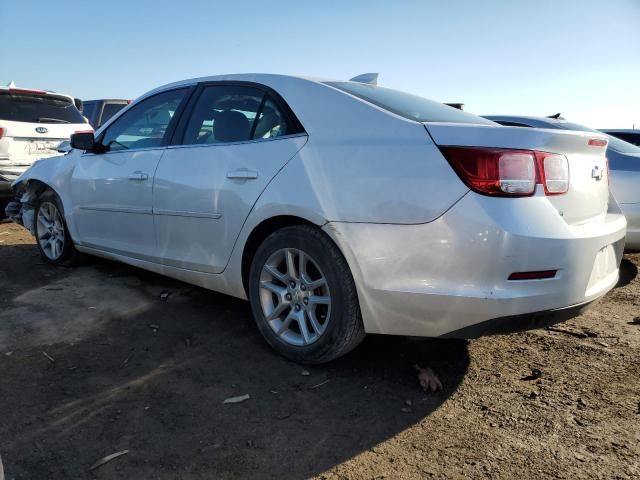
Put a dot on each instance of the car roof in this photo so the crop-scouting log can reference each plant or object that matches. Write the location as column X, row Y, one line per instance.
column 269, row 79
column 13, row 87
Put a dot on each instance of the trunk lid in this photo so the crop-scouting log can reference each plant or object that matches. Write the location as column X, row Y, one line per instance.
column 588, row 194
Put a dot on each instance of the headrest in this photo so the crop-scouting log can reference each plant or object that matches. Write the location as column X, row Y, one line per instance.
column 230, row 126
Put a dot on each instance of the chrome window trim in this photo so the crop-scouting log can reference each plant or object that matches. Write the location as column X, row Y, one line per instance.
column 255, row 140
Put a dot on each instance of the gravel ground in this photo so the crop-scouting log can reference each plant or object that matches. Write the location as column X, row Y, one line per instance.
column 93, row 362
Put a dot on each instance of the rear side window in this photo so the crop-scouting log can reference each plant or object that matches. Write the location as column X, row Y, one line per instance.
column 234, row 113
column 407, row 105
column 109, row 110
column 34, row 108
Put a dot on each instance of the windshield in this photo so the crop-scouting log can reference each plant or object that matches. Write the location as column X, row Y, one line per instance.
column 38, row 108
column 407, row 105
column 616, row 144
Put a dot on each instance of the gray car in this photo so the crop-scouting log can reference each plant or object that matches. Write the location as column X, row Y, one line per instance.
column 624, row 163
column 628, row 135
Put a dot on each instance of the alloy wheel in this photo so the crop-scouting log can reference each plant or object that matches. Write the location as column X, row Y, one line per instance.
column 50, row 230
column 295, row 297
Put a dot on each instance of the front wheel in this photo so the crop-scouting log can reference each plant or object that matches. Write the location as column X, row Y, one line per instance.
column 303, row 296
column 52, row 235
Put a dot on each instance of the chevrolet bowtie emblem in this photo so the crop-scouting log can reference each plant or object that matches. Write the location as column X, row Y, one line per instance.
column 596, row 173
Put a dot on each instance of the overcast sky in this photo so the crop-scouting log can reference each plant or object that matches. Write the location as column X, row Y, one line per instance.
column 577, row 57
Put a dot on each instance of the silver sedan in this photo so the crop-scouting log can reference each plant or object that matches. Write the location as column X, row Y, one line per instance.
column 337, row 208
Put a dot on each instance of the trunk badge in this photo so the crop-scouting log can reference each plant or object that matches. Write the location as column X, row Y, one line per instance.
column 596, row 173
column 41, row 130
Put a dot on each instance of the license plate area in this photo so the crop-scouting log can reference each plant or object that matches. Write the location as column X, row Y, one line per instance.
column 604, row 272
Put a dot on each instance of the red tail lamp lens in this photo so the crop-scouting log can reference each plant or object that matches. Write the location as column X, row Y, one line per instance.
column 509, row 173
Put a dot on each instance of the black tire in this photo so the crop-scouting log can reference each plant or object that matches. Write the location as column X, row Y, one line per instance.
column 67, row 253
column 344, row 329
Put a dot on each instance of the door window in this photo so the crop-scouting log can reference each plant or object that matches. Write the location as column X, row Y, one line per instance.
column 229, row 113
column 146, row 124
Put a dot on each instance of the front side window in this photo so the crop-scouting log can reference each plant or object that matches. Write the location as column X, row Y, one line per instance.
column 407, row 105
column 230, row 113
column 145, row 125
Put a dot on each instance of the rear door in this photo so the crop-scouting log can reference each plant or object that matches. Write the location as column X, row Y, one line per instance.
column 233, row 142
column 112, row 191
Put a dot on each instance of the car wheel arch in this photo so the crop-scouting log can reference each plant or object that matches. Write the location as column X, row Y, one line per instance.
column 260, row 232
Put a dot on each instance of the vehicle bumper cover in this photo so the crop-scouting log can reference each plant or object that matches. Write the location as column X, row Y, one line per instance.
column 436, row 278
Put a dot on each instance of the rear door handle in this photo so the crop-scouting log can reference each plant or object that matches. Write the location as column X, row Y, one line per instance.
column 138, row 176
column 243, row 174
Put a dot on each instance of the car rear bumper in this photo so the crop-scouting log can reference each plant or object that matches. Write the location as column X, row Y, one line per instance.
column 450, row 274
column 520, row 323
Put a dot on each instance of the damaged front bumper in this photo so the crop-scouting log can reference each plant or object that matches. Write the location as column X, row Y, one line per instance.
column 21, row 206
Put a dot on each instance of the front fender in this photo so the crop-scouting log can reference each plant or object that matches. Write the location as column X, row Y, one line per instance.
column 53, row 173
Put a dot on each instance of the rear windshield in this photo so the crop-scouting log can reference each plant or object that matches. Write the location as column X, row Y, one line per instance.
column 24, row 107
column 407, row 105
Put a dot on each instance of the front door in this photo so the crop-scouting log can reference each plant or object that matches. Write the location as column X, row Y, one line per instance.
column 112, row 191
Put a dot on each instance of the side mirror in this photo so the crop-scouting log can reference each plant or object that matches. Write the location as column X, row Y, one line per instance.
column 83, row 141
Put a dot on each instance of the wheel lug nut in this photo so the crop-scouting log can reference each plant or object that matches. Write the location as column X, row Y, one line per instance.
column 297, row 307
column 303, row 286
column 288, row 296
column 305, row 300
column 293, row 284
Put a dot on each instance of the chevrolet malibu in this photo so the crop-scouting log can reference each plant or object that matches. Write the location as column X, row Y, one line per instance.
column 337, row 208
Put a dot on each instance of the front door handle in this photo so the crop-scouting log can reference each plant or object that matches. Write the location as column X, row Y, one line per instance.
column 242, row 174
column 138, row 176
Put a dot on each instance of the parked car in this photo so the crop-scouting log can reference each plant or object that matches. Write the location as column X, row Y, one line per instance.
column 32, row 125
column 98, row 112
column 630, row 136
column 624, row 162
column 337, row 208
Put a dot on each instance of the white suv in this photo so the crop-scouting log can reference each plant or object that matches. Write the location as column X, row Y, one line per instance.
column 32, row 125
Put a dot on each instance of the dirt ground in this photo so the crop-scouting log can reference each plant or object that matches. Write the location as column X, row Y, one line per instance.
column 93, row 362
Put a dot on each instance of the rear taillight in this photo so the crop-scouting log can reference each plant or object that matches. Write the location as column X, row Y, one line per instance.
column 509, row 173
column 1, row 132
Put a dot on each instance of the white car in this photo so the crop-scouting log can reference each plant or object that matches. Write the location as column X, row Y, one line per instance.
column 32, row 125
column 338, row 208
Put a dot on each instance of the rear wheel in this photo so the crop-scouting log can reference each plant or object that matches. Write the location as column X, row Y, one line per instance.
column 303, row 296
column 52, row 235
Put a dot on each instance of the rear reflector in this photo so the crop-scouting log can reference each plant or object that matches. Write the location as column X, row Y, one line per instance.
column 533, row 275
column 1, row 133
column 597, row 142
column 509, row 173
